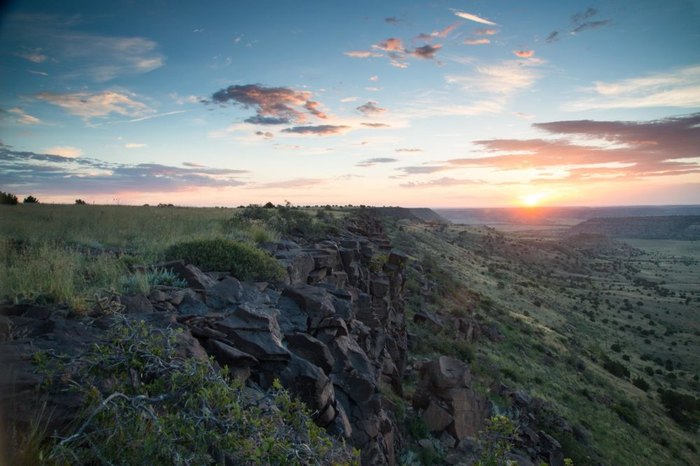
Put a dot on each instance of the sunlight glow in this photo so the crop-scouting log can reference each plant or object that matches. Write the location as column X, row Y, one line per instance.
column 532, row 199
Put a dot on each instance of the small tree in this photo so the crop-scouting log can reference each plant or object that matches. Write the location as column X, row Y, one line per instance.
column 8, row 198
column 30, row 200
column 81, row 202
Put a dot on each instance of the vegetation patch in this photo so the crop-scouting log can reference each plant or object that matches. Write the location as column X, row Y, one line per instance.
column 242, row 260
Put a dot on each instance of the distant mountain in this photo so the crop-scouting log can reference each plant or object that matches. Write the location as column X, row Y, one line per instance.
column 683, row 227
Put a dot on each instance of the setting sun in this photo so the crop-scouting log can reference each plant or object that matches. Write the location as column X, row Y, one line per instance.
column 532, row 199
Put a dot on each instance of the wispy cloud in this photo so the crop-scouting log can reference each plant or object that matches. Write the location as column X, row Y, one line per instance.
column 440, row 183
column 157, row 115
column 391, row 44
column 475, row 18
column 476, row 41
column 135, row 145
column 34, row 56
column 53, row 174
column 485, row 31
column 94, row 105
column 363, row 54
column 370, row 108
column 392, row 20
column 408, row 149
column 376, row 125
column 375, row 161
column 319, row 130
column 64, row 151
column 22, row 117
column 580, row 21
column 679, row 88
column 272, row 105
column 503, row 79
column 290, row 184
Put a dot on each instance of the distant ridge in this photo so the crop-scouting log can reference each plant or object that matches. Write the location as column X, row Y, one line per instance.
column 684, row 227
column 420, row 213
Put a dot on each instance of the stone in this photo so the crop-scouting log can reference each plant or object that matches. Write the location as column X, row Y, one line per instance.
column 238, row 362
column 227, row 292
column 315, row 301
column 254, row 332
column 157, row 296
column 311, row 349
column 136, row 304
column 436, row 418
column 340, row 426
column 428, row 318
column 194, row 277
column 192, row 305
column 299, row 265
column 310, row 384
column 446, row 372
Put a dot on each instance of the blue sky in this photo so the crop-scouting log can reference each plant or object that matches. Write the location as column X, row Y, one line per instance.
column 472, row 103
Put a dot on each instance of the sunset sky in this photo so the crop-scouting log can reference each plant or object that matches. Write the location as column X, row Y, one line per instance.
column 435, row 103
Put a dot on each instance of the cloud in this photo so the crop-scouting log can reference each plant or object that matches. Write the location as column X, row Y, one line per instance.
column 96, row 56
column 615, row 149
column 408, row 149
column 553, row 37
column 392, row 20
column 290, row 184
column 678, row 88
column 476, row 41
column 100, row 104
column 503, row 79
column 34, row 56
column 53, row 174
column 421, row 170
column 156, row 115
column 261, row 120
column 474, row 18
column 350, row 99
column 376, row 125
column 272, row 105
column 135, row 145
column 440, row 183
column 391, row 44
column 374, row 78
column 375, row 161
column 362, row 54
column 320, row 130
column 580, row 21
column 485, row 31
column 427, row 51
column 443, row 33
column 265, row 134
column 23, row 117
column 370, row 108
column 524, row 53
column 64, row 151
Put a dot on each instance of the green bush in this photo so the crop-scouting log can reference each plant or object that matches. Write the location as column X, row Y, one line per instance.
column 162, row 409
column 30, row 200
column 616, row 368
column 242, row 260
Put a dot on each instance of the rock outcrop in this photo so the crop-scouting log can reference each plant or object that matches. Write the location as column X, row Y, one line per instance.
column 333, row 333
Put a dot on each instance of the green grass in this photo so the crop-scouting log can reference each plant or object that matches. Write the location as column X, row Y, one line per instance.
column 70, row 254
column 541, row 298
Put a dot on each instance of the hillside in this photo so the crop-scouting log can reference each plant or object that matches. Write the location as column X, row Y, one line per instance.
column 329, row 336
column 682, row 227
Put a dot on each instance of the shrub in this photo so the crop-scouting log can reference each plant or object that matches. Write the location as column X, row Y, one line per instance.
column 682, row 408
column 8, row 198
column 616, row 368
column 30, row 200
column 80, row 202
column 182, row 411
column 242, row 260
column 627, row 413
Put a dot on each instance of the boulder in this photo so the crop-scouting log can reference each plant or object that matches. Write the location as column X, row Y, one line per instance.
column 194, row 277
column 227, row 292
column 310, row 384
column 315, row 301
column 299, row 265
column 311, row 349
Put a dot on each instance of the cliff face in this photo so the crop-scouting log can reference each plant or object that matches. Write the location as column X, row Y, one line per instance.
column 334, row 334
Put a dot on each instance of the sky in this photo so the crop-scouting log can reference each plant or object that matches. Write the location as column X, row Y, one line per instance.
column 424, row 103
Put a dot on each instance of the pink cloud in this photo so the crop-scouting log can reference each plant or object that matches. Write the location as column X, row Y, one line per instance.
column 524, row 53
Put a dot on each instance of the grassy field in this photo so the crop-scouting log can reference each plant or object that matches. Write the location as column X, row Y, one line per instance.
column 570, row 313
column 71, row 254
